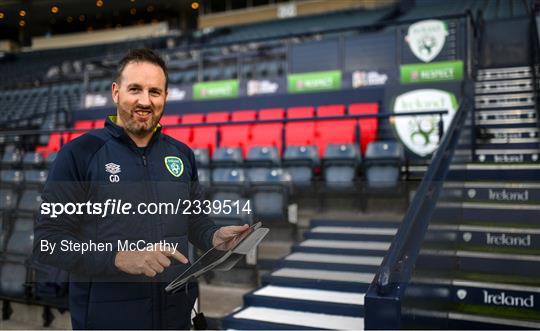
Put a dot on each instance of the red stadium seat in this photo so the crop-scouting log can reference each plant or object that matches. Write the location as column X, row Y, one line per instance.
column 300, row 133
column 368, row 126
column 56, row 141
column 334, row 131
column 218, row 117
column 185, row 134
column 193, row 119
column 181, row 134
column 330, row 110
column 268, row 134
column 238, row 135
column 169, row 120
column 86, row 124
column 98, row 124
column 206, row 136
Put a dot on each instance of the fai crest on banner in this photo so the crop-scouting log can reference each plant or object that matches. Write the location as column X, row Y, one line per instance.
column 174, row 165
column 426, row 38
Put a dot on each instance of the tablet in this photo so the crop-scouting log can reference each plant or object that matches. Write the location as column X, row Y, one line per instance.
column 226, row 254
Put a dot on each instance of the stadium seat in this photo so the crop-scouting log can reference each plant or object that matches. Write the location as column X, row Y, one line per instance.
column 85, row 124
column 98, row 124
column 13, row 279
column 4, row 228
column 50, row 160
column 269, row 184
column 334, row 131
column 300, row 162
column 33, row 160
column 11, row 178
column 238, row 135
column 13, row 271
column 268, row 134
column 300, row 133
column 228, row 186
column 340, row 166
column 170, row 120
column 30, row 201
column 21, row 239
column 227, row 157
column 206, row 136
column 270, row 194
column 56, row 141
column 11, row 159
column 382, row 163
column 183, row 134
column 35, row 178
column 202, row 158
column 8, row 200
column 368, row 126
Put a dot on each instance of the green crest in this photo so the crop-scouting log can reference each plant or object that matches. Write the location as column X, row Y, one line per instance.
column 175, row 165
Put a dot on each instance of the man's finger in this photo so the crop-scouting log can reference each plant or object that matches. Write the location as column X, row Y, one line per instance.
column 163, row 259
column 176, row 255
column 156, row 266
column 149, row 272
column 235, row 229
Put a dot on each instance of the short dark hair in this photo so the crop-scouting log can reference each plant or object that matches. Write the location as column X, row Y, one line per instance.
column 141, row 55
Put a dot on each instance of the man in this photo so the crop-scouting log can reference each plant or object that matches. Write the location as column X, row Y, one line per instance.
column 129, row 160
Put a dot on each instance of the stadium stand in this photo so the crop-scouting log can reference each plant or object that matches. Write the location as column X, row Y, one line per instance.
column 462, row 254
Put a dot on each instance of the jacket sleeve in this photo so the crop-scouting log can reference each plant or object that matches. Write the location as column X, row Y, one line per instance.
column 66, row 184
column 201, row 228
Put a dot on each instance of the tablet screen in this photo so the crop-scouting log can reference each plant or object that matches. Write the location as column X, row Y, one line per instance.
column 213, row 255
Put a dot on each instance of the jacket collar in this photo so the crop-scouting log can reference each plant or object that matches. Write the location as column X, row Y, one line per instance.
column 117, row 131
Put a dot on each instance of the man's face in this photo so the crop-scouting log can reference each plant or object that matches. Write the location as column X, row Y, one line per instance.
column 140, row 97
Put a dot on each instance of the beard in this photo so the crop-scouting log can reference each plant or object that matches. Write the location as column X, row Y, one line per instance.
column 136, row 127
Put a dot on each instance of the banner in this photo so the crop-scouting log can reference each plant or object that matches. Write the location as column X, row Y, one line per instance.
column 431, row 72
column 420, row 134
column 220, row 89
column 363, row 78
column 264, row 86
column 426, row 39
column 97, row 99
column 314, row 81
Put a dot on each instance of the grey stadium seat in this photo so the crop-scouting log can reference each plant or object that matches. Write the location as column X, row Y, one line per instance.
column 300, row 162
column 383, row 162
column 340, row 163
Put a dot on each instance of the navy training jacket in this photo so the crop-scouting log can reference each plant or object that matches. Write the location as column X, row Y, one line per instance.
column 105, row 164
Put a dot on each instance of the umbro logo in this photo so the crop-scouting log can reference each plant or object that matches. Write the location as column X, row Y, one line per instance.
column 114, row 170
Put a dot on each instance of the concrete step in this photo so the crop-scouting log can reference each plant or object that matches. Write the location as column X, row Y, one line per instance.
column 492, row 214
column 483, row 238
column 351, row 233
column 505, row 100
column 342, row 247
column 504, row 73
column 507, row 155
column 463, row 261
column 263, row 318
column 494, row 171
column 503, row 86
column 320, row 261
column 320, row 279
column 469, row 321
column 499, row 192
column 308, row 300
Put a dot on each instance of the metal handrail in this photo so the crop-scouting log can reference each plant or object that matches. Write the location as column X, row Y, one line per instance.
column 422, row 205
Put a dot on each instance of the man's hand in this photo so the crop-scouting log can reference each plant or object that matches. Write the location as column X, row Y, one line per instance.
column 227, row 232
column 149, row 263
